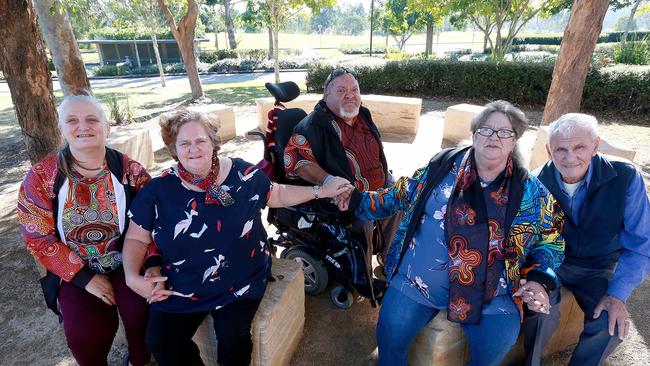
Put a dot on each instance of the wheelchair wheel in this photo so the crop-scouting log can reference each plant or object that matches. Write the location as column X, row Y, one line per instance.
column 341, row 297
column 316, row 276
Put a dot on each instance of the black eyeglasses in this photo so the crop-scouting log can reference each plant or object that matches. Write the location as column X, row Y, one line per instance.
column 336, row 73
column 502, row 133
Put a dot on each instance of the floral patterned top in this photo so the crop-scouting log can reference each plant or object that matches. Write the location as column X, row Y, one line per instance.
column 211, row 254
column 423, row 274
column 534, row 240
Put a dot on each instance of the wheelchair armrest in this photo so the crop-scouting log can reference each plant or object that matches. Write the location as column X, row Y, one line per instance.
column 257, row 133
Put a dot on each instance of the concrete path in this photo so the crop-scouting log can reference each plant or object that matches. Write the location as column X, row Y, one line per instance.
column 181, row 80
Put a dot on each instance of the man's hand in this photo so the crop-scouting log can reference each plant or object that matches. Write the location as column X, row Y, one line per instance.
column 101, row 287
column 342, row 201
column 534, row 296
column 617, row 313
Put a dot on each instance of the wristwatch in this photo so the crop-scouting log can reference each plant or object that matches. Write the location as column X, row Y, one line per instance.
column 316, row 191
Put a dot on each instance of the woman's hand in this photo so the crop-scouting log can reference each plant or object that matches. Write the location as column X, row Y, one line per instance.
column 534, row 296
column 101, row 287
column 147, row 284
column 335, row 186
column 153, row 274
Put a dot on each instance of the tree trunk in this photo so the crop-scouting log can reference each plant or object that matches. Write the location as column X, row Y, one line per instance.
column 230, row 28
column 189, row 58
column 156, row 52
column 271, row 53
column 429, row 40
column 486, row 37
column 24, row 65
column 630, row 20
column 276, row 53
column 62, row 43
column 216, row 27
column 572, row 64
column 184, row 35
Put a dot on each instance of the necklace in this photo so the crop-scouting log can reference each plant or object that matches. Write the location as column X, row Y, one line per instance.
column 90, row 169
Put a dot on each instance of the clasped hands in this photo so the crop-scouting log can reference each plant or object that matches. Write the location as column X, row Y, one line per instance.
column 151, row 286
column 535, row 296
column 344, row 189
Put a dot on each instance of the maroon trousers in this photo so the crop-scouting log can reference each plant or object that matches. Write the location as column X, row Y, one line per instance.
column 90, row 324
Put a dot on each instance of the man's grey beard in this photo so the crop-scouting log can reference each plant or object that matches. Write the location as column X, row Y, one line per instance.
column 344, row 114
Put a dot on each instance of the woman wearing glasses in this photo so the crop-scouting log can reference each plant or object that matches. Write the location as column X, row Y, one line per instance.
column 479, row 238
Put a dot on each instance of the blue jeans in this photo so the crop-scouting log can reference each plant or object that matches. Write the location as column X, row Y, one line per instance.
column 401, row 319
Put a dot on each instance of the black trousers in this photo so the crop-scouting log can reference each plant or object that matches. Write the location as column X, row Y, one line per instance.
column 169, row 335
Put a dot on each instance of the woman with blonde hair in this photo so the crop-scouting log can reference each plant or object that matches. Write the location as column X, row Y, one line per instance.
column 72, row 212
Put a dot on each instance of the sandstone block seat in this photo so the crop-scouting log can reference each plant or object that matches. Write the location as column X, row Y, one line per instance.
column 457, row 121
column 443, row 343
column 278, row 324
column 133, row 140
column 392, row 115
column 539, row 155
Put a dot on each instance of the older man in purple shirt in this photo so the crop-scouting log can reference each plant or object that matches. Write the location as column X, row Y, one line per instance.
column 607, row 233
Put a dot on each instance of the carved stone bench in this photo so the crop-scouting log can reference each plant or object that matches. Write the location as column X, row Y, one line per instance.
column 392, row 115
column 278, row 324
column 133, row 140
column 457, row 121
column 443, row 343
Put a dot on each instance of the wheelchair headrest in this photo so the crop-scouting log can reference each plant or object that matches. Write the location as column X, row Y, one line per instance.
column 283, row 92
column 287, row 120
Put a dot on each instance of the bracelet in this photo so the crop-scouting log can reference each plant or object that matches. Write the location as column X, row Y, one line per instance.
column 316, row 191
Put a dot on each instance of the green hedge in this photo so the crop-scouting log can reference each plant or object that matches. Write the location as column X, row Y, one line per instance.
column 623, row 90
column 361, row 50
column 556, row 40
column 115, row 33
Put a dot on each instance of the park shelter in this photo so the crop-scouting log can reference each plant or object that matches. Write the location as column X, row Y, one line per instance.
column 139, row 52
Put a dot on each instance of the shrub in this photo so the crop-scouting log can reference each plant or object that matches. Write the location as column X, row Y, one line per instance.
column 146, row 70
column 397, row 56
column 119, row 33
column 213, row 56
column 626, row 91
column 556, row 40
column 547, row 40
column 226, row 65
column 175, row 68
column 633, row 53
column 631, row 36
column 248, row 65
column 360, row 50
column 256, row 54
column 110, row 70
column 119, row 109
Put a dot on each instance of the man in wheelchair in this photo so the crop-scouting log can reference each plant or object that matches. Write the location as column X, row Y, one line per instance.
column 339, row 138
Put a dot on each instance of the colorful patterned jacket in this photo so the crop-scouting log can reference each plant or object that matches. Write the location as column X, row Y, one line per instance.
column 534, row 248
column 37, row 219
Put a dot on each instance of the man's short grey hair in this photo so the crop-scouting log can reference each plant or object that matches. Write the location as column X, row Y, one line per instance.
column 62, row 110
column 568, row 123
